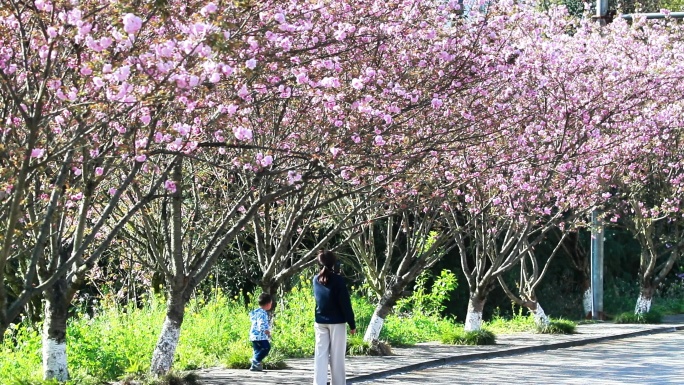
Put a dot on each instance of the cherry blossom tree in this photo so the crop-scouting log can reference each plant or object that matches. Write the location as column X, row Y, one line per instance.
column 651, row 212
column 395, row 249
column 85, row 89
column 187, row 235
column 531, row 275
column 647, row 173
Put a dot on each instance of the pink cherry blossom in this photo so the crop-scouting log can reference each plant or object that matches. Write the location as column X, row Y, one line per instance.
column 279, row 17
column 293, row 177
column 436, row 103
column 242, row 133
column 243, row 93
column 132, row 23
column 357, row 84
column 266, row 161
column 37, row 152
column 209, row 8
column 232, row 108
column 170, row 186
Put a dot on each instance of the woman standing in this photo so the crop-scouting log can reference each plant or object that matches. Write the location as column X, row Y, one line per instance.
column 333, row 312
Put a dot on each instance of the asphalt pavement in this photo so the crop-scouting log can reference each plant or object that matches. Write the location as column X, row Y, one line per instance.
column 362, row 369
column 653, row 359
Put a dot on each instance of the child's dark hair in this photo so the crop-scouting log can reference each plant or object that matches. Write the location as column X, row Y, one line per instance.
column 327, row 259
column 265, row 299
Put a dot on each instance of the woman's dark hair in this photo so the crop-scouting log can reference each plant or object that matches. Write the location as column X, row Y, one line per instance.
column 327, row 259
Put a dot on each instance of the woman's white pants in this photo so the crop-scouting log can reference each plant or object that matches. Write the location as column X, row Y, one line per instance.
column 331, row 345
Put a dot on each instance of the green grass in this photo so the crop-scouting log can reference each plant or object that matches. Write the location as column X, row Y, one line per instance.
column 458, row 336
column 240, row 356
column 558, row 326
column 117, row 342
column 356, row 346
column 652, row 317
column 516, row 324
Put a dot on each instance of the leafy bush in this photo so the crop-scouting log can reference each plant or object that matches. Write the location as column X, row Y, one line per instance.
column 458, row 336
column 615, row 303
column 670, row 300
column 652, row 317
column 20, row 355
column 558, row 326
column 430, row 302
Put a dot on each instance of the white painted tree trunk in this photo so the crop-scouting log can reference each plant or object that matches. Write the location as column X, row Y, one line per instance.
column 540, row 317
column 643, row 304
column 162, row 357
column 473, row 321
column 54, row 360
column 374, row 328
column 586, row 302
column 54, row 349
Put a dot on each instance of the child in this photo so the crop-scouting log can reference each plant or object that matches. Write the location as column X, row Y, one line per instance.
column 260, row 332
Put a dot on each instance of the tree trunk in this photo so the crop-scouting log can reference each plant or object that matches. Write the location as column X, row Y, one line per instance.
column 164, row 351
column 384, row 307
column 54, row 333
column 644, row 301
column 375, row 325
column 540, row 318
column 473, row 321
column 270, row 287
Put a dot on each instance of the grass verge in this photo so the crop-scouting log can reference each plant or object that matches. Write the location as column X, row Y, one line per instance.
column 652, row 317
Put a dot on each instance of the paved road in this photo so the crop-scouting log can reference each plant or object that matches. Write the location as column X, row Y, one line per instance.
column 652, row 359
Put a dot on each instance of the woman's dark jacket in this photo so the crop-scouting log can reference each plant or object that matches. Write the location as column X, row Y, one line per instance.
column 333, row 305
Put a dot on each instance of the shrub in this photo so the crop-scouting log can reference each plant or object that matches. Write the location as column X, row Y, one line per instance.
column 652, row 317
column 458, row 336
column 429, row 302
column 558, row 326
column 356, row 346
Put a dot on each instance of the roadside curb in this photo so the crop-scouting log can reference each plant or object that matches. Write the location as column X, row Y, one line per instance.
column 507, row 353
